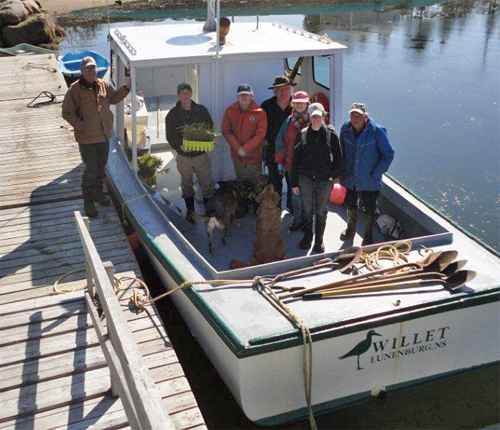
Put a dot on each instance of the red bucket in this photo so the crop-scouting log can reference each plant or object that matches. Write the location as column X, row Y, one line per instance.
column 337, row 196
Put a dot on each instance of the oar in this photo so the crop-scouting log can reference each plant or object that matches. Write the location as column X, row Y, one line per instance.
column 436, row 261
column 343, row 261
column 452, row 283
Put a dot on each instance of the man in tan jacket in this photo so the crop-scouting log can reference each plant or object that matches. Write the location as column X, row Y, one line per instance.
column 86, row 108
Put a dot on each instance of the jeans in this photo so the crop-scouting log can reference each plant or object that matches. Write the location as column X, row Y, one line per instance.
column 314, row 196
column 95, row 158
column 368, row 200
column 274, row 177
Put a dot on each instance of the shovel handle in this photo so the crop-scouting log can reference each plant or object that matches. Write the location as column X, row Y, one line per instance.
column 370, row 288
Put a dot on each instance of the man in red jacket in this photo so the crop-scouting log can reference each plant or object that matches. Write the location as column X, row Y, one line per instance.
column 244, row 126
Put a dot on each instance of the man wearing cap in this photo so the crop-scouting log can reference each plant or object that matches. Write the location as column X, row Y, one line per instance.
column 244, row 126
column 316, row 163
column 278, row 109
column 86, row 108
column 367, row 156
column 186, row 111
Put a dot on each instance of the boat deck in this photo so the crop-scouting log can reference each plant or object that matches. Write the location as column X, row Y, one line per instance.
column 52, row 370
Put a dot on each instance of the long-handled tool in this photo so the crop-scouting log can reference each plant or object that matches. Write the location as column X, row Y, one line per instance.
column 435, row 262
column 417, row 274
column 452, row 283
column 428, row 276
column 343, row 262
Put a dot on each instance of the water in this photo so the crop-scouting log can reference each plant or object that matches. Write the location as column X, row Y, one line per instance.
column 429, row 74
column 434, row 83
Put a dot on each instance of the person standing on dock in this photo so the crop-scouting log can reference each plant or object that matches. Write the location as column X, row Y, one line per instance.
column 278, row 108
column 244, row 127
column 86, row 108
column 316, row 163
column 367, row 156
column 185, row 112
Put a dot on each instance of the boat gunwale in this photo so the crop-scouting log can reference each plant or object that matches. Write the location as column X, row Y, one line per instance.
column 292, row 338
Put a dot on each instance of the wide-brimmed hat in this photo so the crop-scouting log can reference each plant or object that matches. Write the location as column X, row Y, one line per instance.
column 86, row 62
column 300, row 97
column 316, row 109
column 281, row 81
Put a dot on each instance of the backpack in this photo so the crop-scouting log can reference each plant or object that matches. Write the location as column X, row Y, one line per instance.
column 390, row 227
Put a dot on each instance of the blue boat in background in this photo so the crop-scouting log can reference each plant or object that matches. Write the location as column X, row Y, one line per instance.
column 70, row 64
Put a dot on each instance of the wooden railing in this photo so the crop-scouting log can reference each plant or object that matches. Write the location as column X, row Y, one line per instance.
column 130, row 378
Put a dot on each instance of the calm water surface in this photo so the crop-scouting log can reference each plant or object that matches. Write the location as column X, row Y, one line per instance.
column 430, row 75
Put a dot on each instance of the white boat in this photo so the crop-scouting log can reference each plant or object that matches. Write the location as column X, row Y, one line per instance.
column 410, row 336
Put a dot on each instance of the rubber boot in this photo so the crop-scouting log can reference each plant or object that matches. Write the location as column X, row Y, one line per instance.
column 205, row 203
column 306, row 241
column 99, row 195
column 319, row 247
column 368, row 235
column 352, row 219
column 88, row 203
column 189, row 209
column 295, row 225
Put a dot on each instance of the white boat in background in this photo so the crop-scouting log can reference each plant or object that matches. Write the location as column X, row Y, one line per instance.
column 362, row 344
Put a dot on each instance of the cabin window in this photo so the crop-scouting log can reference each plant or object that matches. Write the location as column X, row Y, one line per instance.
column 112, row 68
column 290, row 63
column 321, row 71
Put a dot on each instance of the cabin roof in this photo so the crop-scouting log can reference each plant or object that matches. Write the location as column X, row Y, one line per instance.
column 186, row 43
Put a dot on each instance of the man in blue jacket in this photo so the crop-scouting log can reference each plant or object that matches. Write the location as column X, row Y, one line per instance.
column 367, row 156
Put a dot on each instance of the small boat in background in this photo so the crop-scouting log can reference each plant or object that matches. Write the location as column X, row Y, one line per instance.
column 70, row 64
column 25, row 49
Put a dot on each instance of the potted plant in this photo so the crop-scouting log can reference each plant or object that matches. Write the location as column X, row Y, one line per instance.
column 198, row 137
column 148, row 165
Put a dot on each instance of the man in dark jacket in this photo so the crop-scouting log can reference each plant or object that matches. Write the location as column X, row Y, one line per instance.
column 186, row 111
column 367, row 156
column 278, row 109
column 317, row 159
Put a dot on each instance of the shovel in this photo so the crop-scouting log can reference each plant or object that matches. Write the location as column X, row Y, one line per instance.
column 435, row 262
column 451, row 283
column 343, row 262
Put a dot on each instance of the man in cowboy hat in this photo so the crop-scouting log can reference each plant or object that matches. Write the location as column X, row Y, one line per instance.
column 278, row 109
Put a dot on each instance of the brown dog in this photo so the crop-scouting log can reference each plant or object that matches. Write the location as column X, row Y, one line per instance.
column 269, row 247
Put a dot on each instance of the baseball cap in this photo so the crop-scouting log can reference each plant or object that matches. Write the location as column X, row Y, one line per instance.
column 300, row 97
column 359, row 108
column 86, row 62
column 316, row 109
column 184, row 86
column 244, row 89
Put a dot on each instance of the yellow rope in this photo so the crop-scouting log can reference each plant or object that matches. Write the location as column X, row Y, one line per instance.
column 307, row 358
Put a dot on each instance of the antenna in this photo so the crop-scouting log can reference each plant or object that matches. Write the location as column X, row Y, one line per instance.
column 210, row 24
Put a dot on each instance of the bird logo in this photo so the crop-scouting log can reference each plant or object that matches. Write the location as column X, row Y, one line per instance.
column 361, row 347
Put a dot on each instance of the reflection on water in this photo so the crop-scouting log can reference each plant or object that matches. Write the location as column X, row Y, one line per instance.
column 430, row 74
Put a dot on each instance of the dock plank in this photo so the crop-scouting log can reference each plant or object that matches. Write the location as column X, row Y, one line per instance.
column 53, row 373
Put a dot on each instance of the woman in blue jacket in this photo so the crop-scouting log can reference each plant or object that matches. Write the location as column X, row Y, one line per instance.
column 367, row 156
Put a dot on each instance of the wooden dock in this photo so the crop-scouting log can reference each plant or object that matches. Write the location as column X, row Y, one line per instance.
column 53, row 372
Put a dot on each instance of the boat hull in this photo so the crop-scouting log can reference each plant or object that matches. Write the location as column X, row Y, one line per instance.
column 269, row 387
column 258, row 353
